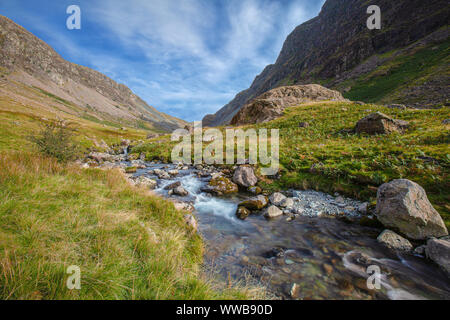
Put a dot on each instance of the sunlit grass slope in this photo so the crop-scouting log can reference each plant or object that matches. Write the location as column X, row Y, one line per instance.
column 127, row 243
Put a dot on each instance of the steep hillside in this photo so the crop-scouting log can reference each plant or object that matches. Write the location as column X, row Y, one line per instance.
column 33, row 74
column 406, row 61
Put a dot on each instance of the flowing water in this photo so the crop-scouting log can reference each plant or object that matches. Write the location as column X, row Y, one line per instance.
column 307, row 258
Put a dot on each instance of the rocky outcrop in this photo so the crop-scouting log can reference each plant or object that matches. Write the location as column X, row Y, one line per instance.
column 337, row 46
column 403, row 205
column 245, row 176
column 438, row 250
column 394, row 241
column 271, row 104
column 72, row 88
column 379, row 123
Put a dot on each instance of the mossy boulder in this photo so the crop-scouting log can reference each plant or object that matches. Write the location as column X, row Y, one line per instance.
column 223, row 185
column 255, row 203
column 242, row 213
column 255, row 190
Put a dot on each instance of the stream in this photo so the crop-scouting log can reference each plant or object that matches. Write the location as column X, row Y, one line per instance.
column 318, row 257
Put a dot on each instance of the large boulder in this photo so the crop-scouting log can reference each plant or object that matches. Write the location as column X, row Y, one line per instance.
column 245, row 176
column 394, row 241
column 271, row 104
column 438, row 250
column 379, row 123
column 403, row 205
column 255, row 203
column 222, row 185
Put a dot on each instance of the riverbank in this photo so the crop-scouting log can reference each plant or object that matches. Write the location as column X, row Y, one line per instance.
column 128, row 244
column 322, row 252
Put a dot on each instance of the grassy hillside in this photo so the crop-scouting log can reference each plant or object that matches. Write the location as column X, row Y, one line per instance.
column 353, row 164
column 20, row 120
column 402, row 70
column 128, row 244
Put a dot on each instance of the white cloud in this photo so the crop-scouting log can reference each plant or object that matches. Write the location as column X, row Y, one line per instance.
column 196, row 54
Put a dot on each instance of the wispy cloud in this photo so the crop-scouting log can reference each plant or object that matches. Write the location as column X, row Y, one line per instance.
column 187, row 58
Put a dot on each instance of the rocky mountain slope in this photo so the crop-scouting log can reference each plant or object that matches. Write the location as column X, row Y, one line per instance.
column 271, row 104
column 32, row 73
column 405, row 62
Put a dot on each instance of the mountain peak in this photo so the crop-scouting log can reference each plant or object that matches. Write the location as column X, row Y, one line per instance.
column 26, row 59
column 337, row 50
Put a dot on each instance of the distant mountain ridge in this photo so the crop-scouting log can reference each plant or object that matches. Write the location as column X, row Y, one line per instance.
column 27, row 60
column 337, row 50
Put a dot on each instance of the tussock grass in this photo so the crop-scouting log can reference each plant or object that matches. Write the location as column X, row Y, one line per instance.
column 128, row 244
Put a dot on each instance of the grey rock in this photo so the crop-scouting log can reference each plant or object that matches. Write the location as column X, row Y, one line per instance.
column 272, row 212
column 245, row 176
column 438, row 250
column 277, row 198
column 180, row 191
column 403, row 204
column 394, row 241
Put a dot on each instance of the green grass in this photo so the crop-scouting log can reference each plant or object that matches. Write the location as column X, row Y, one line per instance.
column 354, row 165
column 127, row 243
column 398, row 72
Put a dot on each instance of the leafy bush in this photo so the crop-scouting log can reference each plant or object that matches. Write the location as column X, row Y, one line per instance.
column 55, row 139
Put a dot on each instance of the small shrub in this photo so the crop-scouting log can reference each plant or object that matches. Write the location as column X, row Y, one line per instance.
column 55, row 139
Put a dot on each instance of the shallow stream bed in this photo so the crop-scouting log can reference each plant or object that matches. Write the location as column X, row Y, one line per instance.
column 318, row 257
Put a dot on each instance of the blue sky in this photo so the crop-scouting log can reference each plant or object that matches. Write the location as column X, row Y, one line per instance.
column 187, row 58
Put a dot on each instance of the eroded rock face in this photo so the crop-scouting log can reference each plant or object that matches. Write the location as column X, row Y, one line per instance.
column 180, row 191
column 337, row 46
column 403, row 204
column 379, row 123
column 271, row 104
column 394, row 241
column 245, row 176
column 438, row 250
